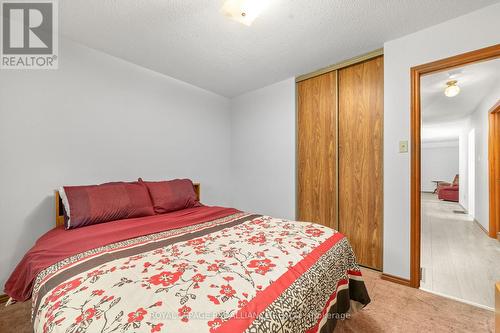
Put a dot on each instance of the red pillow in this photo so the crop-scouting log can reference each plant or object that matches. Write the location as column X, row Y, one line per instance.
column 94, row 204
column 172, row 195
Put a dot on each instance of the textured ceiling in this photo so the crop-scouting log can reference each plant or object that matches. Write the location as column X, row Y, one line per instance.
column 476, row 81
column 192, row 41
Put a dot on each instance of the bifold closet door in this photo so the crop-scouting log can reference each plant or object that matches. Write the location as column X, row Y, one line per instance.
column 361, row 103
column 317, row 149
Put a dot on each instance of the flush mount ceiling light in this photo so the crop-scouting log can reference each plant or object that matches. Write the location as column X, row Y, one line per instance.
column 452, row 89
column 244, row 11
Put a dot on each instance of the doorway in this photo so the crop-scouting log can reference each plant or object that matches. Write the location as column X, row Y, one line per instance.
column 465, row 195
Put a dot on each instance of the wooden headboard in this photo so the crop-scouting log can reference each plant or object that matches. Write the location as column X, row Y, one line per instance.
column 60, row 209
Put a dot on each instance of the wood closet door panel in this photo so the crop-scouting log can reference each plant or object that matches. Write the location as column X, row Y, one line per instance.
column 361, row 103
column 317, row 150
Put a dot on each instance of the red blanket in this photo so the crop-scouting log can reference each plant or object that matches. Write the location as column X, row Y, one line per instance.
column 58, row 244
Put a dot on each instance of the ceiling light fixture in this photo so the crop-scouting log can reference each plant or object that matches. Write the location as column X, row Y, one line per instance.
column 244, row 11
column 452, row 89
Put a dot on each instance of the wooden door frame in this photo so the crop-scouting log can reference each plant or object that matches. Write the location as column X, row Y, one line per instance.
column 416, row 73
column 494, row 170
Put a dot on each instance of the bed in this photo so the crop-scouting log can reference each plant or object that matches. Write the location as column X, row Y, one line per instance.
column 200, row 269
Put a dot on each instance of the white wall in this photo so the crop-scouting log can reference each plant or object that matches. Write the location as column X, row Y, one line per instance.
column 471, row 172
column 479, row 122
column 466, row 33
column 463, row 146
column 263, row 150
column 95, row 119
column 459, row 128
column 439, row 162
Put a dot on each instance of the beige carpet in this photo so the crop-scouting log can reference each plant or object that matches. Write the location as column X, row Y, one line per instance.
column 394, row 308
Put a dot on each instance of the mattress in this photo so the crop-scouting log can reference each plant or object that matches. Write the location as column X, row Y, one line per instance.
column 204, row 269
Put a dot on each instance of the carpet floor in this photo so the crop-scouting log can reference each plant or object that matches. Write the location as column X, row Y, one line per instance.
column 394, row 308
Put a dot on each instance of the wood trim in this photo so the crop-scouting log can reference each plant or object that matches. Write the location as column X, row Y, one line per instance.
column 494, row 168
column 395, row 279
column 4, row 298
column 342, row 64
column 495, row 108
column 416, row 73
column 197, row 190
column 459, row 60
column 415, row 179
column 60, row 211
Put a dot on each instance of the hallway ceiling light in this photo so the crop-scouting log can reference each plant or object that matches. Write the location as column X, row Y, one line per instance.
column 452, row 89
column 244, row 11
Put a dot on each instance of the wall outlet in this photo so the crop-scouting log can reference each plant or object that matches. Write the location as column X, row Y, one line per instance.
column 403, row 146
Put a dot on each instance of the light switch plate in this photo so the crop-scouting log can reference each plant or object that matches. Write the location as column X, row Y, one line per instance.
column 403, row 146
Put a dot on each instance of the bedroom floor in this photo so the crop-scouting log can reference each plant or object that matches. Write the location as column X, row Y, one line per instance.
column 458, row 258
column 394, row 308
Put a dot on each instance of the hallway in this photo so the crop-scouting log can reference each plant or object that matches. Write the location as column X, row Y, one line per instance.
column 458, row 258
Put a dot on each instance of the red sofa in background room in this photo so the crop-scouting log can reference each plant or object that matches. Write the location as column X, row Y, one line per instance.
column 449, row 192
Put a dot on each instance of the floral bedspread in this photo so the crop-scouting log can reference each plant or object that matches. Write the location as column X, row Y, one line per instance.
column 239, row 273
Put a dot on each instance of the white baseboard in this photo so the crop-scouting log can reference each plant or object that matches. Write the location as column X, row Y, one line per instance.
column 459, row 300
